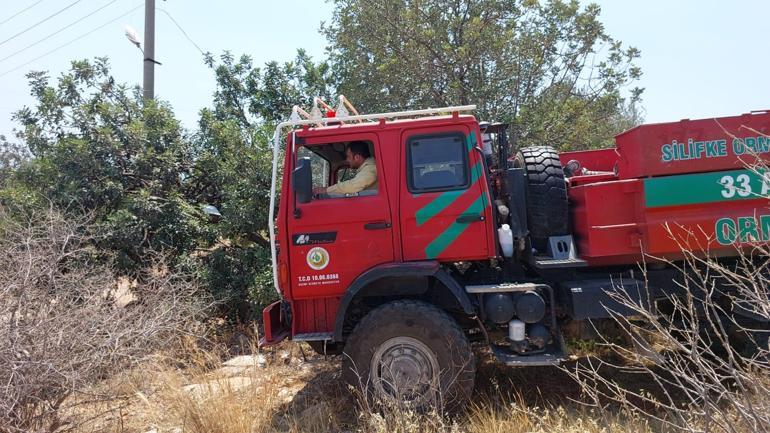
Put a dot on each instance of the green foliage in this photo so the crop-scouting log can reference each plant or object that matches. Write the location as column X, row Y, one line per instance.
column 12, row 155
column 234, row 163
column 252, row 97
column 549, row 68
column 98, row 149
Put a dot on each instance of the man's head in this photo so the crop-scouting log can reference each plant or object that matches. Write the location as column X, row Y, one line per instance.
column 356, row 153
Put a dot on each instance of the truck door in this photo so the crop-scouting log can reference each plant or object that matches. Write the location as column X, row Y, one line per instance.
column 335, row 239
column 444, row 201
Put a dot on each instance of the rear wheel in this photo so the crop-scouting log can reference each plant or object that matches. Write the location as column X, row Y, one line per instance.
column 410, row 354
column 547, row 207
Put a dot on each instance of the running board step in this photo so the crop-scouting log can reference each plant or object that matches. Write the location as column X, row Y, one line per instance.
column 551, row 357
column 505, row 287
column 313, row 336
column 549, row 263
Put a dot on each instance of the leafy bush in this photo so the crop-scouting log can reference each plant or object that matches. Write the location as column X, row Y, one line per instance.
column 97, row 148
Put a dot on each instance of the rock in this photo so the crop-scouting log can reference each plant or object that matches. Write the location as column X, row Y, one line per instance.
column 122, row 294
column 240, row 364
column 246, row 361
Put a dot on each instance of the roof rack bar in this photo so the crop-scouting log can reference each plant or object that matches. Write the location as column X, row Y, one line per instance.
column 276, row 146
column 377, row 116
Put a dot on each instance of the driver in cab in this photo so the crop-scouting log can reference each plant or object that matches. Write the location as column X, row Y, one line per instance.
column 358, row 157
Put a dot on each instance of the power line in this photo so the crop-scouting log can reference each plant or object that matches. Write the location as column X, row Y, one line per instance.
column 56, row 32
column 42, row 21
column 181, row 29
column 72, row 41
column 21, row 12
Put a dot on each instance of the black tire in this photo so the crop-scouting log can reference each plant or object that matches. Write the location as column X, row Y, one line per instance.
column 427, row 353
column 547, row 206
column 330, row 349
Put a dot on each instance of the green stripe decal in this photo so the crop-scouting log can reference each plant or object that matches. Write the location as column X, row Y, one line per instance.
column 438, row 245
column 444, row 200
column 470, row 139
column 712, row 187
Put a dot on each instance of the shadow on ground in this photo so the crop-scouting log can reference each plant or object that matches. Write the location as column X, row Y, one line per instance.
column 325, row 395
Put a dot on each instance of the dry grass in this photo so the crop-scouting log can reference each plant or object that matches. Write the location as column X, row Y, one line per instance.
column 292, row 391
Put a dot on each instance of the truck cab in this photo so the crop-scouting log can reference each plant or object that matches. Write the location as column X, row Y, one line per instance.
column 431, row 204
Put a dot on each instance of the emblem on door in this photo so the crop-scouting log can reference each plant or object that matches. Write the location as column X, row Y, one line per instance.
column 317, row 258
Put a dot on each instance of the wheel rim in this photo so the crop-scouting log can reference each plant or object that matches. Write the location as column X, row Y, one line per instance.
column 404, row 370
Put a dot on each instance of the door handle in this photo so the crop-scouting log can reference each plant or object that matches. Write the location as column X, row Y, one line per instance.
column 377, row 225
column 469, row 218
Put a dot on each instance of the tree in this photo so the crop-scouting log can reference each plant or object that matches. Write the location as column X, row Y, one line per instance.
column 550, row 69
column 12, row 155
column 97, row 148
column 232, row 147
column 234, row 164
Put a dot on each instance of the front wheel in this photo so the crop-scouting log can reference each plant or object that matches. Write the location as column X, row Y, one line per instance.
column 410, row 354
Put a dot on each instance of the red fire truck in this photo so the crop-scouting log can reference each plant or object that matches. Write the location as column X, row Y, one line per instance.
column 468, row 239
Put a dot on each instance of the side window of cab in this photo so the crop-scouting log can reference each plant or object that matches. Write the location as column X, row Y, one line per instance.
column 437, row 163
column 337, row 174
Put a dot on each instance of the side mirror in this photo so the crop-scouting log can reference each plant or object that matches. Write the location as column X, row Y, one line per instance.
column 212, row 213
column 302, row 181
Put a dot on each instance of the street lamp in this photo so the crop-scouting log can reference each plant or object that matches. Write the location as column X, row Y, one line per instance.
column 148, row 52
column 133, row 37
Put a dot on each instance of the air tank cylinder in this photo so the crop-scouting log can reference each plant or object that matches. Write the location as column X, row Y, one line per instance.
column 538, row 335
column 530, row 307
column 499, row 307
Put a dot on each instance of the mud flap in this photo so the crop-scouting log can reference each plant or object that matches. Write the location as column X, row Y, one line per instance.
column 276, row 326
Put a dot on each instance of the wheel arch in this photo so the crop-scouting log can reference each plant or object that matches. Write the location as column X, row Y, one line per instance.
column 367, row 285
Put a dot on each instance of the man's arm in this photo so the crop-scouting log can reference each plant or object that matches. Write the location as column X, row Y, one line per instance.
column 365, row 177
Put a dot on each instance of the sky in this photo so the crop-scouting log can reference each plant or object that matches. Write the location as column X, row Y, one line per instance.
column 699, row 59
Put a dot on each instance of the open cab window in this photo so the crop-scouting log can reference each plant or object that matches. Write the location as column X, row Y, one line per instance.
column 320, row 166
column 329, row 167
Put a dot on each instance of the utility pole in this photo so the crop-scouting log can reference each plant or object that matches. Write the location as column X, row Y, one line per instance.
column 149, row 50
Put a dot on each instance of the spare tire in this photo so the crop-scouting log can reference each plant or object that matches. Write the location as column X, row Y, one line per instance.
column 547, row 206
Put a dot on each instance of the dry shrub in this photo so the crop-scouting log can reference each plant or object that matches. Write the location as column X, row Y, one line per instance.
column 287, row 392
column 217, row 406
column 712, row 369
column 703, row 383
column 712, row 372
column 61, row 325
